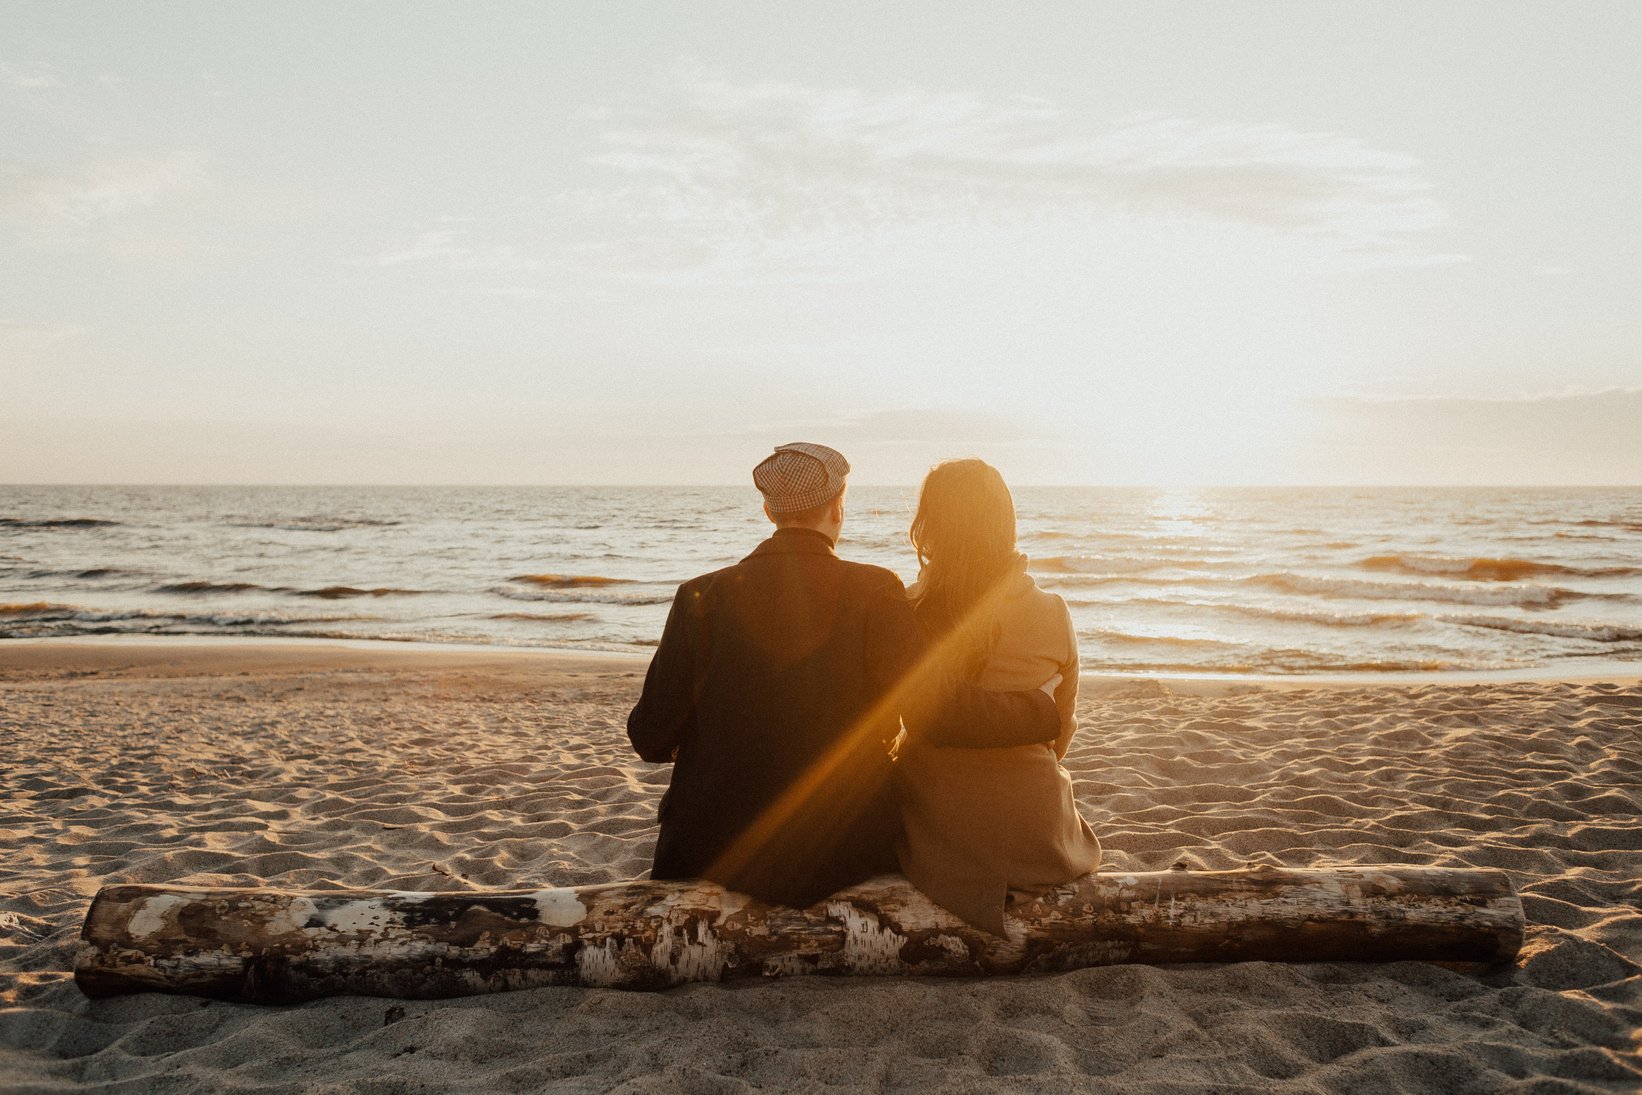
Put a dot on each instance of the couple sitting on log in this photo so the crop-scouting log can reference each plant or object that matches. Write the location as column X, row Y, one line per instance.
column 782, row 684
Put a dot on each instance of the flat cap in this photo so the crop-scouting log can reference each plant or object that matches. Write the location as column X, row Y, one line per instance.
column 800, row 476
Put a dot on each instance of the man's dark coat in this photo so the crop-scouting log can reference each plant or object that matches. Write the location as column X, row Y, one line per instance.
column 771, row 692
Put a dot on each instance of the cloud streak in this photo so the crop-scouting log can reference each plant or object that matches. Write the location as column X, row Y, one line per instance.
column 94, row 192
column 776, row 160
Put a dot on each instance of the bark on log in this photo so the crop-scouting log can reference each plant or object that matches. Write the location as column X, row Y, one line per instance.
column 271, row 947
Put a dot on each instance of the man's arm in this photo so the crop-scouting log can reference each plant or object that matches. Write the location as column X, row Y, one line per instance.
column 1066, row 692
column 937, row 707
column 971, row 717
column 657, row 722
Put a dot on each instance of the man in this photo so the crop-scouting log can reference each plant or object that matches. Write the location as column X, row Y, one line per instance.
column 777, row 690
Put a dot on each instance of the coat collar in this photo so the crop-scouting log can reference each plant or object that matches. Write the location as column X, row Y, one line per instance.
column 795, row 541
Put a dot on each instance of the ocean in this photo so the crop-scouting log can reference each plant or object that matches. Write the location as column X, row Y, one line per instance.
column 1202, row 581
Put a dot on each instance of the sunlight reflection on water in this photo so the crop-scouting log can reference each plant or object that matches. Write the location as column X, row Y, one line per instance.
column 1159, row 580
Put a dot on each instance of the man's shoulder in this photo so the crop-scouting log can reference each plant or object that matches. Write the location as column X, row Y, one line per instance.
column 702, row 582
column 873, row 577
column 866, row 577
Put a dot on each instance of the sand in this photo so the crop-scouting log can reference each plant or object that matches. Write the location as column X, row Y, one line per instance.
column 381, row 766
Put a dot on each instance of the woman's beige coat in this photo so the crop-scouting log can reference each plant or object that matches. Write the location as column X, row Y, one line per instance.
column 982, row 822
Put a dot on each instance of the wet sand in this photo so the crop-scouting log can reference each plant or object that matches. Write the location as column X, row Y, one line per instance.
column 380, row 766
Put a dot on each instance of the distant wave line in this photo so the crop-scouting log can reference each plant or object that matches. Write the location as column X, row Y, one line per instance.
column 1100, row 565
column 334, row 593
column 1629, row 524
column 1307, row 585
column 569, row 581
column 327, row 593
column 86, row 574
column 315, row 524
column 209, row 587
column 56, row 522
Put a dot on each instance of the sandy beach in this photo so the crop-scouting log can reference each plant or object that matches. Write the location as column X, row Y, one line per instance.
column 381, row 766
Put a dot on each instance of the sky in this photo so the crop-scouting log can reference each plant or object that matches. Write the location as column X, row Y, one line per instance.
column 645, row 242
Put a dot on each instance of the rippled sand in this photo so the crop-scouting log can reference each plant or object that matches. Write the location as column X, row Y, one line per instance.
column 417, row 769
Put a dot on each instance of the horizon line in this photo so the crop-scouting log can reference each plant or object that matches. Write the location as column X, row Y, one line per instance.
column 892, row 486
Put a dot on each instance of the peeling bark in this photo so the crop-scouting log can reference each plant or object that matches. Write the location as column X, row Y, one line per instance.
column 267, row 946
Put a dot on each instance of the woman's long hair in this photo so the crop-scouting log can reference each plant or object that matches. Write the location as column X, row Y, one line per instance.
column 964, row 534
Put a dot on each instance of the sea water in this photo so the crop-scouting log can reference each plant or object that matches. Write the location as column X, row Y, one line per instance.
column 1260, row 581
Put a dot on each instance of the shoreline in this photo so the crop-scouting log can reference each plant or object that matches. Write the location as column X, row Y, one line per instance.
column 153, row 654
column 140, row 653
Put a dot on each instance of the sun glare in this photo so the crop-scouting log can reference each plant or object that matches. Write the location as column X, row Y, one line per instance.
column 1205, row 437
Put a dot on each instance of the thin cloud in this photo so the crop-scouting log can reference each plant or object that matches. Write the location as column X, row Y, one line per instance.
column 98, row 191
column 450, row 249
column 1572, row 396
column 30, row 75
column 947, row 427
column 17, row 334
column 775, row 160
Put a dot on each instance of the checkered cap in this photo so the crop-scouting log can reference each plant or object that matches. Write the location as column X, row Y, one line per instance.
column 800, row 476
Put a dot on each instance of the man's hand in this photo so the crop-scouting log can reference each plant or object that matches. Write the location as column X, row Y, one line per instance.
column 1048, row 687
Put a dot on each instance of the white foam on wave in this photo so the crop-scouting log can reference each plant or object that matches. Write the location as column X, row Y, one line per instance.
column 1593, row 632
column 1527, row 596
column 584, row 596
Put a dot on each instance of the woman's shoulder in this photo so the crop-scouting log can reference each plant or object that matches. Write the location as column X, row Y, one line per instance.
column 1035, row 620
column 1030, row 600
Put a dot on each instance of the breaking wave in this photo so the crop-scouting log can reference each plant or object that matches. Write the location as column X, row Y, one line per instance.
column 1630, row 524
column 33, row 608
column 1299, row 616
column 585, row 595
column 1593, row 632
column 543, row 617
column 1284, row 662
column 1529, row 596
column 1488, row 570
column 1109, row 636
column 44, row 619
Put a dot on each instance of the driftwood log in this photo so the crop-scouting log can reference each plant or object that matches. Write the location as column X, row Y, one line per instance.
column 271, row 947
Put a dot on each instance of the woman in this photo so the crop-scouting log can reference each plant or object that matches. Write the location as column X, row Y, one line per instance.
column 981, row 823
